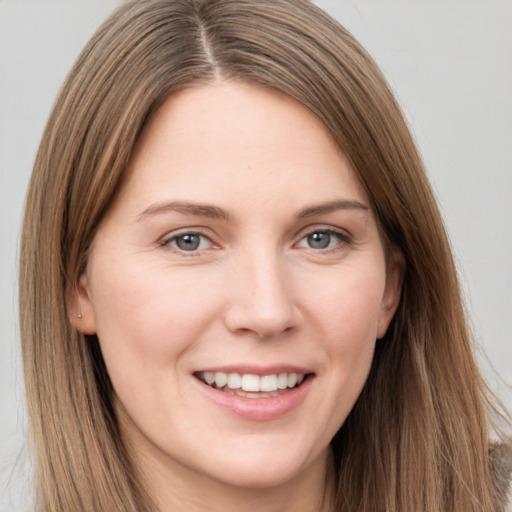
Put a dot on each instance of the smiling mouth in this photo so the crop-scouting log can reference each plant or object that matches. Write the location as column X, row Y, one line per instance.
column 252, row 386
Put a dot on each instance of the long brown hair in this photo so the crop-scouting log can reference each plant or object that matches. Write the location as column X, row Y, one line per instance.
column 418, row 436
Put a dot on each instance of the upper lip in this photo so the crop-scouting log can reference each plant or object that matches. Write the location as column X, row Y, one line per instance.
column 257, row 370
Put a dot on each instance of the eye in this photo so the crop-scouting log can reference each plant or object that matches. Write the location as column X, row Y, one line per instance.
column 189, row 242
column 323, row 239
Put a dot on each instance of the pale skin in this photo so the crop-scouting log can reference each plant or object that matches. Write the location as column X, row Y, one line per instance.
column 241, row 237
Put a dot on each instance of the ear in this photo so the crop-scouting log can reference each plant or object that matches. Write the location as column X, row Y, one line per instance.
column 80, row 308
column 392, row 291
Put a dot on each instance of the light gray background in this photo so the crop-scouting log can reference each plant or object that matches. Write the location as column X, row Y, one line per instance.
column 450, row 64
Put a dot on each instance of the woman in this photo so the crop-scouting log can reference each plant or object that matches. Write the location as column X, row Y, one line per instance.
column 236, row 290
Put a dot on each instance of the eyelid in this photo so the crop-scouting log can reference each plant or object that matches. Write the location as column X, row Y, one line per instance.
column 343, row 235
column 166, row 240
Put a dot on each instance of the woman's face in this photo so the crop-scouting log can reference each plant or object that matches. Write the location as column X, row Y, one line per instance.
column 237, row 287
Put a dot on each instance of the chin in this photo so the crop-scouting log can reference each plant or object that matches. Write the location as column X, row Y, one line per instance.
column 263, row 468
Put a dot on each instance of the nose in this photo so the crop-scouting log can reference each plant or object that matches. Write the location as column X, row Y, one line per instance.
column 261, row 300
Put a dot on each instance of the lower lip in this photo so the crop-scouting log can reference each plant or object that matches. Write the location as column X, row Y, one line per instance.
column 258, row 409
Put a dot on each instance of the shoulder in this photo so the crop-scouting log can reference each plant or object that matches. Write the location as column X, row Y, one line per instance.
column 501, row 458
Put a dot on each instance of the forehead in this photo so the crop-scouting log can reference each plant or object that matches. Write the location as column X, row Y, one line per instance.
column 232, row 140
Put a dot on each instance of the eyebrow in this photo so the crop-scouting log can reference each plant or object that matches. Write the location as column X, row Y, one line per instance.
column 187, row 208
column 214, row 212
column 331, row 206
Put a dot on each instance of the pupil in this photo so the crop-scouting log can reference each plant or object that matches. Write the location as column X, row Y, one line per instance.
column 319, row 240
column 188, row 242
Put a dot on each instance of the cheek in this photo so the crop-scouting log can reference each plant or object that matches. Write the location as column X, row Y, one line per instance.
column 348, row 303
column 347, row 317
column 351, row 320
column 146, row 318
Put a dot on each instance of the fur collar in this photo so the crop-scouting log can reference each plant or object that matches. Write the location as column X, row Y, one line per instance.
column 501, row 458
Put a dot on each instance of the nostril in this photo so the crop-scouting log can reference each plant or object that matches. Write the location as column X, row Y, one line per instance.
column 245, row 320
column 264, row 336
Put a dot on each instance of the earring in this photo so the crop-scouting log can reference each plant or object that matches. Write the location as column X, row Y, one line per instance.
column 79, row 314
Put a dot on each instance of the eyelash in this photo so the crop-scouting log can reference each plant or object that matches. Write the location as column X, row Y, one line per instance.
column 343, row 237
column 343, row 240
column 168, row 242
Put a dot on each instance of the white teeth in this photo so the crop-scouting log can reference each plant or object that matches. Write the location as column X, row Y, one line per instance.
column 209, row 377
column 221, row 379
column 250, row 383
column 268, row 383
column 234, row 380
column 282, row 381
column 292, row 380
